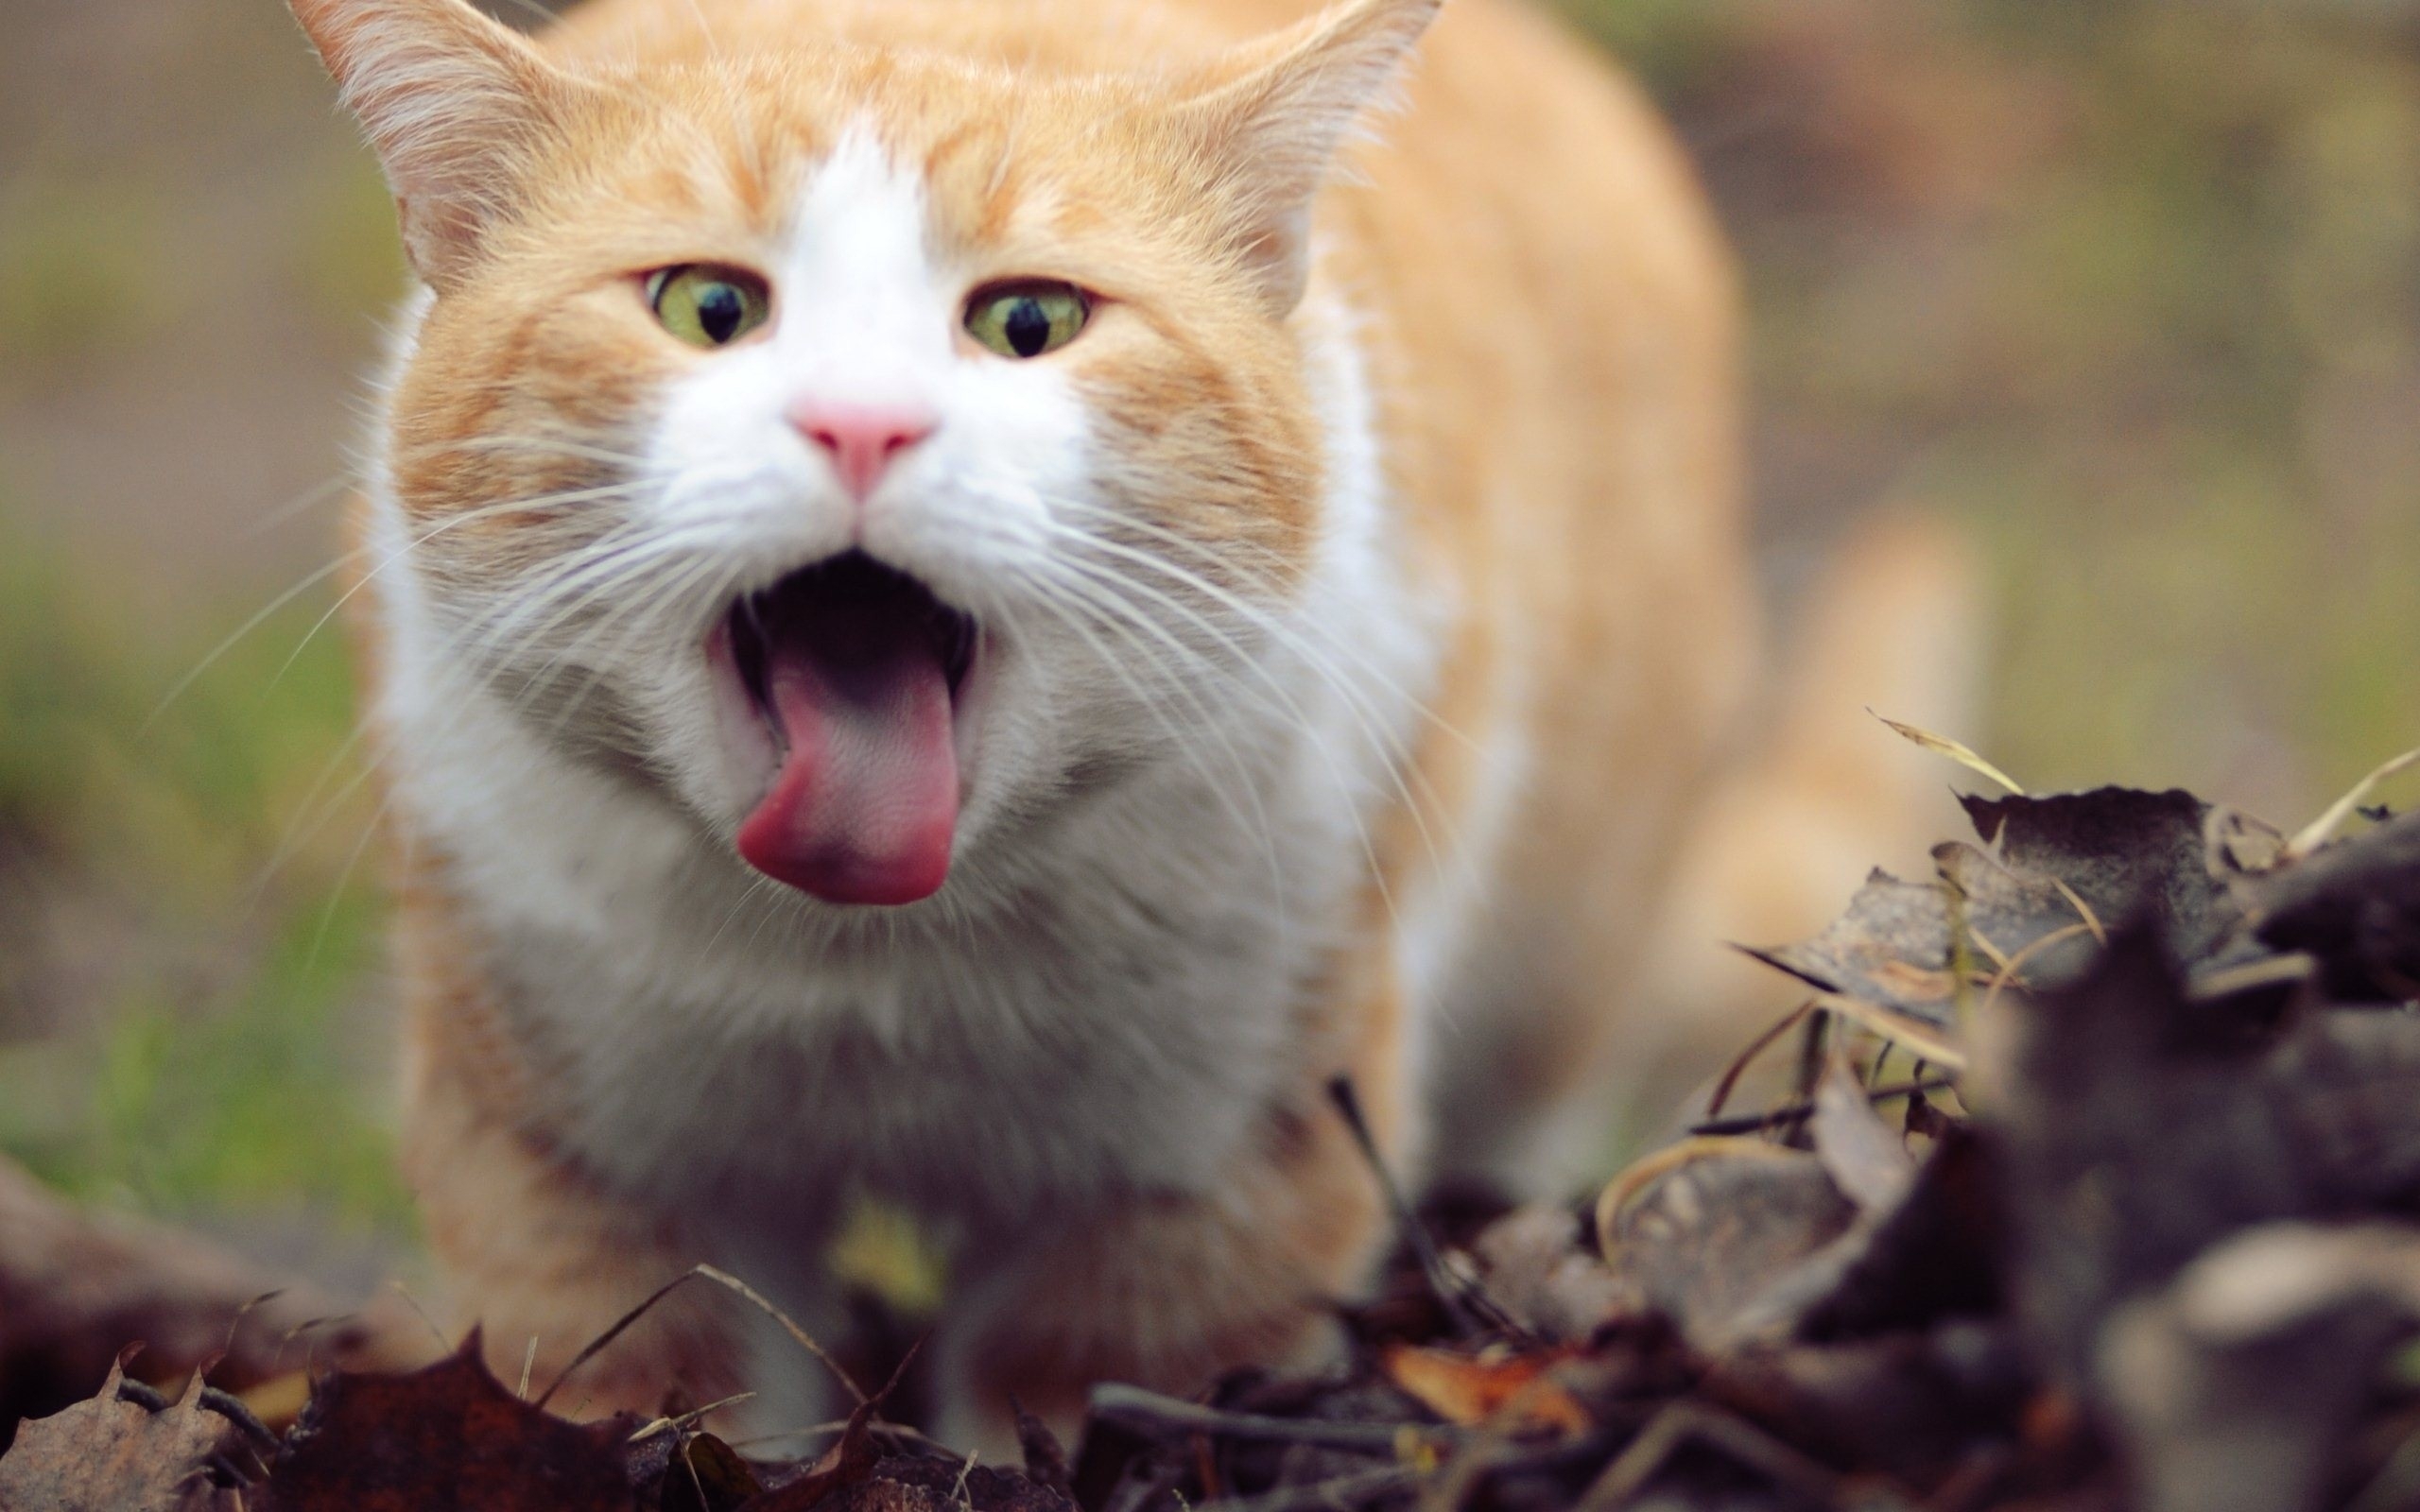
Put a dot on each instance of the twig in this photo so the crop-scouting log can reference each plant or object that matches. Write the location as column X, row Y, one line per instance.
column 1149, row 1412
column 225, row 1404
column 1636, row 1467
column 1758, row 1046
column 1800, row 1111
column 1472, row 1310
column 230, row 1406
column 1814, row 1054
column 1345, row 1490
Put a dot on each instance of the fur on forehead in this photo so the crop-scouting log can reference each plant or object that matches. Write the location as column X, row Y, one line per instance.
column 480, row 131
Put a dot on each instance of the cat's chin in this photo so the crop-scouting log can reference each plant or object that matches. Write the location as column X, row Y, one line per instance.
column 842, row 694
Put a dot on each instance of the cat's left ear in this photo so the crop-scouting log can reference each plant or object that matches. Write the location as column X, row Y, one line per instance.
column 1273, row 125
column 450, row 100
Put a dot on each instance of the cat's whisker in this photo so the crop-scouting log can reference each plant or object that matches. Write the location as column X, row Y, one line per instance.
column 1302, row 723
column 1215, row 556
column 585, row 448
column 627, row 552
column 1218, row 559
column 1065, row 606
column 1110, row 584
column 1391, row 744
column 449, row 524
column 210, row 659
column 636, row 621
column 294, row 508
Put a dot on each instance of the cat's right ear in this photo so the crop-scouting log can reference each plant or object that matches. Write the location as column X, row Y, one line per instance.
column 450, row 100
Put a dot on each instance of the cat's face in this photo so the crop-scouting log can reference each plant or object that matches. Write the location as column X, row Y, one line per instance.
column 862, row 451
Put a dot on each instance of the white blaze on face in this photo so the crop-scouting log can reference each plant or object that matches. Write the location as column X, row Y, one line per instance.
column 871, row 319
column 866, row 319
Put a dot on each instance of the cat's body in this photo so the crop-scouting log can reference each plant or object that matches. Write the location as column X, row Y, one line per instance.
column 1401, row 603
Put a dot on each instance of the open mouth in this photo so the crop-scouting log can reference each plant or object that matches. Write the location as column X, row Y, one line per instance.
column 856, row 670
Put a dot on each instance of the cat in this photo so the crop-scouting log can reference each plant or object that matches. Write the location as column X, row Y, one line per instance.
column 966, row 602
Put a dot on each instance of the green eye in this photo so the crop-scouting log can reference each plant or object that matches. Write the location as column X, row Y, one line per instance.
column 1027, row 320
column 708, row 306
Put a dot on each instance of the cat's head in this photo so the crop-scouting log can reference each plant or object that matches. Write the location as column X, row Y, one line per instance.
column 859, row 445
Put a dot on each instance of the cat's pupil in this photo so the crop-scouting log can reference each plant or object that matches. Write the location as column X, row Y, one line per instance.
column 719, row 311
column 1027, row 327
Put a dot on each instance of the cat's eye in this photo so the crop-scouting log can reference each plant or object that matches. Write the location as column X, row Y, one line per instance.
column 1027, row 320
column 708, row 306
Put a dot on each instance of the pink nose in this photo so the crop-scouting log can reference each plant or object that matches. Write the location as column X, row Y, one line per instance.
column 861, row 439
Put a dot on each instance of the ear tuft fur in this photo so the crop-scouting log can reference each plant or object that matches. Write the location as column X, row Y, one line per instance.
column 449, row 100
column 1274, row 125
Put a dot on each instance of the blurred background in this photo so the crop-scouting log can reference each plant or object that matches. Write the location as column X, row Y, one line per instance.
column 2131, row 288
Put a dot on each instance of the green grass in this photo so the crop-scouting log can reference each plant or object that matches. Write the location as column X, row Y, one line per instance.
column 210, row 856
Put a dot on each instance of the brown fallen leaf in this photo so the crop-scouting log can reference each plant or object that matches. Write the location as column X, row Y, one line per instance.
column 1537, row 1264
column 704, row 1474
column 904, row 1483
column 1894, row 947
column 77, row 1286
column 2355, row 906
column 109, row 1455
column 1865, row 1159
column 1704, row 1229
column 1506, row 1389
column 2129, row 855
column 450, row 1435
column 850, row 1461
column 1046, row 1459
column 2193, row 1372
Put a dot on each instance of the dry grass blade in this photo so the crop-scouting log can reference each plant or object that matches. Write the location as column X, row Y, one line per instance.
column 694, row 1415
column 2083, row 911
column 1928, row 1040
column 1636, row 1178
column 722, row 1278
column 719, row 1278
column 2318, row 831
column 2007, row 972
column 1942, row 745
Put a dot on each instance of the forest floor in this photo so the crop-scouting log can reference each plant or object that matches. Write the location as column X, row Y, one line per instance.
column 2095, row 1184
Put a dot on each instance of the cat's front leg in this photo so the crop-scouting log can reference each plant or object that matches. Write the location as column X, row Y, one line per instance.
column 1166, row 1291
column 545, row 1263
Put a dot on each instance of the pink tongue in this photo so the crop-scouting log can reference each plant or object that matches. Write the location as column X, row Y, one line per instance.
column 866, row 801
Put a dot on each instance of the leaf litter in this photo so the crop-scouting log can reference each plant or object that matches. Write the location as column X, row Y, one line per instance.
column 2099, row 1188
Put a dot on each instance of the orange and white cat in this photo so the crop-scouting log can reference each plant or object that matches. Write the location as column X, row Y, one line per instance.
column 970, row 599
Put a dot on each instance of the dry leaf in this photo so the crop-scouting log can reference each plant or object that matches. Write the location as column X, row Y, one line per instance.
column 112, row 1455
column 451, row 1436
column 1503, row 1390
